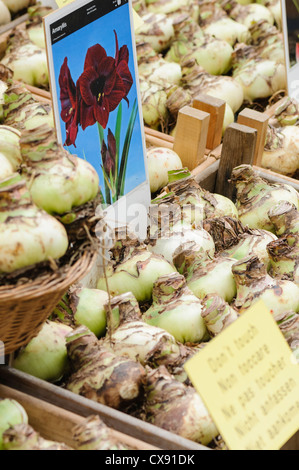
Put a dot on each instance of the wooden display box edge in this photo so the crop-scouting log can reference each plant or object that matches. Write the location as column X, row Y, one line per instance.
column 57, row 424
column 151, row 436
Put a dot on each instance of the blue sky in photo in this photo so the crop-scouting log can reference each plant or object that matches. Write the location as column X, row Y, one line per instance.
column 75, row 47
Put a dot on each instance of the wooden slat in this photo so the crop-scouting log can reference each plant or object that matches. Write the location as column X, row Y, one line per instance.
column 191, row 136
column 216, row 108
column 157, row 138
column 238, row 148
column 157, row 142
column 6, row 28
column 57, row 424
column 207, row 177
column 259, row 121
column 203, row 166
column 39, row 93
column 274, row 177
column 158, row 134
column 81, row 406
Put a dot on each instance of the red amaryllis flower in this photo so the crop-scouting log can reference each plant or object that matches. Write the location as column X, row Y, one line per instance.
column 109, row 154
column 103, row 84
column 69, row 104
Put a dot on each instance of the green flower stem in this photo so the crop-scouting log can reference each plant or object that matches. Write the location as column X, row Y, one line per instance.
column 117, row 139
column 107, row 199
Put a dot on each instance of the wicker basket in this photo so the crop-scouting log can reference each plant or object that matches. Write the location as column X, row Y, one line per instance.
column 28, row 297
column 24, row 308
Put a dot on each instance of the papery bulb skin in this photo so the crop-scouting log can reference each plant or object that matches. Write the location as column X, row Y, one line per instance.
column 254, row 283
column 255, row 197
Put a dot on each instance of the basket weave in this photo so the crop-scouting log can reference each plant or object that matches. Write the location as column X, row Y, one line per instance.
column 24, row 309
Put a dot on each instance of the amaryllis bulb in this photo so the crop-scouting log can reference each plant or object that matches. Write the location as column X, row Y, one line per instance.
column 153, row 100
column 24, row 437
column 251, row 244
column 28, row 235
column 99, row 374
column 157, row 30
column 260, row 78
column 206, row 275
column 284, row 257
column 36, row 34
column 217, row 314
column 28, row 63
column 177, row 310
column 161, row 160
column 88, row 306
column 10, row 146
column 250, row 13
column 167, row 243
column 129, row 335
column 94, row 434
column 136, row 274
column 288, row 324
column 45, row 356
column 213, row 54
column 228, row 30
column 5, row 16
column 286, row 113
column 11, row 413
column 254, row 283
column 6, row 168
column 285, row 218
column 281, row 151
column 255, row 197
column 175, row 407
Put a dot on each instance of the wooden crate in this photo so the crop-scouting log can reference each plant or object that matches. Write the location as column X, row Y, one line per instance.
column 209, row 163
column 20, row 20
column 211, row 160
column 150, row 436
column 198, row 140
column 55, row 423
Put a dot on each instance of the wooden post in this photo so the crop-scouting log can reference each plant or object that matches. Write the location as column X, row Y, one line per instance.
column 216, row 108
column 191, row 136
column 259, row 121
column 238, row 148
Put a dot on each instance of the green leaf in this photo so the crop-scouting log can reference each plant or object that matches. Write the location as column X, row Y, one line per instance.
column 107, row 185
column 159, row 199
column 117, row 139
column 125, row 152
column 175, row 175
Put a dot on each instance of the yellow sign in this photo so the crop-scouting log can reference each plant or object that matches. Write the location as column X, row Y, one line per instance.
column 249, row 380
column 62, row 3
column 136, row 18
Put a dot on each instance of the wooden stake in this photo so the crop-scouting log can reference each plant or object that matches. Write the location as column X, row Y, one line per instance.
column 216, row 108
column 259, row 121
column 238, row 148
column 191, row 136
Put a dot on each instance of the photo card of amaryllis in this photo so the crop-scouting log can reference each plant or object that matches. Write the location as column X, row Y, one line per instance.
column 290, row 29
column 95, row 93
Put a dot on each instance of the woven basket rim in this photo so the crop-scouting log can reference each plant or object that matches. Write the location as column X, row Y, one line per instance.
column 52, row 282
